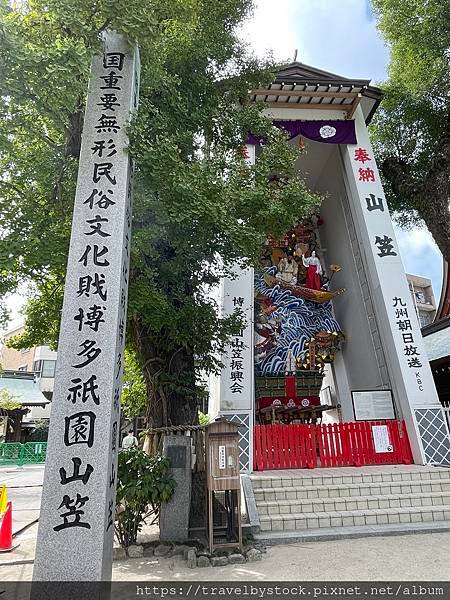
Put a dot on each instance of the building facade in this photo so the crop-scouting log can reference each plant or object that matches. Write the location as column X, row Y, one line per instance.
column 330, row 303
column 424, row 301
column 16, row 360
column 436, row 338
column 39, row 360
column 19, row 422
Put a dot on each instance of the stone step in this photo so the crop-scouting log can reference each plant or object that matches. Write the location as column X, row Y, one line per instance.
column 299, row 492
column 314, row 478
column 380, row 516
column 318, row 505
column 339, row 533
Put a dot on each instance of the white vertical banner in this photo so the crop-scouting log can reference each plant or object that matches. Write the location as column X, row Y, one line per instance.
column 402, row 339
column 236, row 390
column 236, row 385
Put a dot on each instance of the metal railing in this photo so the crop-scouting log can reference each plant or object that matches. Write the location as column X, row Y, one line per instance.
column 30, row 453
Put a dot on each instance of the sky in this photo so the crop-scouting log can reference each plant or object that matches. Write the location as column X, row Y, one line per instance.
column 338, row 36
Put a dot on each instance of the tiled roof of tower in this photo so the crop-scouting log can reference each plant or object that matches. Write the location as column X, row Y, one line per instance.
column 23, row 387
column 301, row 86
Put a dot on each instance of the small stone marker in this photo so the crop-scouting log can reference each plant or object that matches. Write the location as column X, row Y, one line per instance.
column 174, row 515
column 135, row 551
column 254, row 555
column 191, row 559
column 236, row 559
column 219, row 561
column 76, row 525
column 119, row 553
column 162, row 550
column 202, row 562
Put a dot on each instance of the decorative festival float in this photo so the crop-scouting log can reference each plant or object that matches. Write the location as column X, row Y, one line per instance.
column 296, row 333
column 277, row 370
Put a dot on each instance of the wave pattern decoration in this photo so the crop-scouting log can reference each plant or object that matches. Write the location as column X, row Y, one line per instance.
column 299, row 319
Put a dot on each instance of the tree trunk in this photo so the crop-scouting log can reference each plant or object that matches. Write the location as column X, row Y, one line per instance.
column 170, row 381
column 429, row 197
column 433, row 207
column 169, row 376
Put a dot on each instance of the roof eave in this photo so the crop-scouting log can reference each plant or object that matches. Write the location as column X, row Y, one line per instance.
column 436, row 326
column 376, row 95
column 302, row 74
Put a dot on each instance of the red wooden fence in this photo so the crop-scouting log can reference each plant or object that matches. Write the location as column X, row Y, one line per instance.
column 337, row 445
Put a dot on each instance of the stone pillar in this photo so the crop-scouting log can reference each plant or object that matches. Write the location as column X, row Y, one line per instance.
column 401, row 339
column 174, row 516
column 76, row 524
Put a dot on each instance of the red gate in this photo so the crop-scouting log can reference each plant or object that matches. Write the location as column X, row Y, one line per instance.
column 337, row 445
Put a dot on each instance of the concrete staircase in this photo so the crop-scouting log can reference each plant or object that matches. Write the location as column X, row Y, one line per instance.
column 334, row 502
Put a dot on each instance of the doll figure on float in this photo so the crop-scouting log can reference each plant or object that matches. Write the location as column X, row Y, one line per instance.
column 287, row 269
column 313, row 271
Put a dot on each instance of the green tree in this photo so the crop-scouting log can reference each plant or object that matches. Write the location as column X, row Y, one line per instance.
column 411, row 131
column 7, row 400
column 134, row 392
column 40, row 433
column 198, row 205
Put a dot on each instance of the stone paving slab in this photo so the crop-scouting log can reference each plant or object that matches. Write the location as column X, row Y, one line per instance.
column 24, row 489
column 395, row 557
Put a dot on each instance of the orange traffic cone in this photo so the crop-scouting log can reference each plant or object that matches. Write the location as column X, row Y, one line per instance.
column 6, row 530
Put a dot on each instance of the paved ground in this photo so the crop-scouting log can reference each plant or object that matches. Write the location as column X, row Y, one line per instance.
column 24, row 487
column 422, row 557
column 416, row 557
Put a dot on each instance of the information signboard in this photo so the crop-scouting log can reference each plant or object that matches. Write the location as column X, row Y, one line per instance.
column 373, row 405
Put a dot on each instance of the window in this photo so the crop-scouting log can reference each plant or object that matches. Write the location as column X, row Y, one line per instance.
column 45, row 368
column 48, row 368
column 420, row 297
column 425, row 319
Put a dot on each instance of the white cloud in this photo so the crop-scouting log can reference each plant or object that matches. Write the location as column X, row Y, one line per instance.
column 340, row 37
column 421, row 256
column 271, row 29
column 15, row 303
column 337, row 36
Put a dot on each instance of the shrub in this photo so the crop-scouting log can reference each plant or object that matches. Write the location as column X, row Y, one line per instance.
column 40, row 433
column 143, row 485
column 7, row 400
column 203, row 419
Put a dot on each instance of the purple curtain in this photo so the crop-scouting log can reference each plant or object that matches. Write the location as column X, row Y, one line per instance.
column 327, row 132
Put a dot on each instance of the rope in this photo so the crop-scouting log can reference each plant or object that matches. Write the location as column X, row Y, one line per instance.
column 174, row 428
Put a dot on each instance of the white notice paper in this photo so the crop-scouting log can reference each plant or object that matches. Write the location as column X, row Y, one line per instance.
column 381, row 439
column 222, row 462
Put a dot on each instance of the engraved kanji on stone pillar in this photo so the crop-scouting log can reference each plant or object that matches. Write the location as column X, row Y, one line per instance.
column 76, row 522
